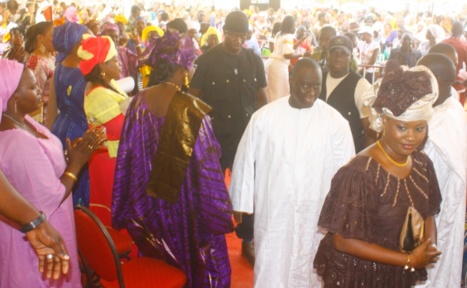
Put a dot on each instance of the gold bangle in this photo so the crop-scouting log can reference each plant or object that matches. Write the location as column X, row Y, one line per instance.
column 71, row 175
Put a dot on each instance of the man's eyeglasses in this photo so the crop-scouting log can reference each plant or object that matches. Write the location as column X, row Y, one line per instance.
column 233, row 35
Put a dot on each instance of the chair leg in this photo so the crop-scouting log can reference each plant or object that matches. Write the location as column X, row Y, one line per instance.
column 93, row 280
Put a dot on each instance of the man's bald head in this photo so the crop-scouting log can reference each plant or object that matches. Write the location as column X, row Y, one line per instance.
column 305, row 63
column 305, row 83
column 440, row 65
column 446, row 49
column 445, row 72
column 457, row 29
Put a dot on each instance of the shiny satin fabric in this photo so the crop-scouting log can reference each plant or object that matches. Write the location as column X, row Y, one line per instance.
column 178, row 137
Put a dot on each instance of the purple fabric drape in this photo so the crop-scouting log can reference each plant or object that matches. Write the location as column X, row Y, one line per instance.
column 188, row 234
column 128, row 62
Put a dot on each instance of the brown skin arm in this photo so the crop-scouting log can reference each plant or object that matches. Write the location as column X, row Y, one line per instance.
column 295, row 46
column 374, row 56
column 16, row 53
column 271, row 47
column 79, row 154
column 262, row 98
column 430, row 230
column 52, row 108
column 370, row 135
column 293, row 55
column 134, row 36
column 238, row 216
column 13, row 206
column 44, row 239
column 423, row 255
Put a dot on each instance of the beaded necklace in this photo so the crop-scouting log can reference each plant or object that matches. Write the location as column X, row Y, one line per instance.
column 378, row 143
column 174, row 85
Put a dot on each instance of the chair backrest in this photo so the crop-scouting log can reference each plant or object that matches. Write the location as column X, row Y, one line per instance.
column 102, row 212
column 96, row 245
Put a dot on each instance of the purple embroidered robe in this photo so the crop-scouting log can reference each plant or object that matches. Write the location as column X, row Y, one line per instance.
column 188, row 234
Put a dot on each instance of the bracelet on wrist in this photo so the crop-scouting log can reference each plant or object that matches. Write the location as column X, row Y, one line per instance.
column 34, row 223
column 407, row 265
column 71, row 175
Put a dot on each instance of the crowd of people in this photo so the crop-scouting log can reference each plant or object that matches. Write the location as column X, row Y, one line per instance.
column 334, row 144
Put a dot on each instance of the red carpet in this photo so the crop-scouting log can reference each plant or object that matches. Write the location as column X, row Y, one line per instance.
column 242, row 271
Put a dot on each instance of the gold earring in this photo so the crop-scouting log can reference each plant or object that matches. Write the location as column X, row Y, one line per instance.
column 187, row 81
column 42, row 48
column 16, row 106
column 102, row 75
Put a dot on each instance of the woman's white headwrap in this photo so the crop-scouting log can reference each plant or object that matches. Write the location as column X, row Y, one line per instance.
column 437, row 32
column 403, row 94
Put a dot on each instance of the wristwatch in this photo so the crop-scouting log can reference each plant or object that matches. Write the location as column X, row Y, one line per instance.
column 33, row 225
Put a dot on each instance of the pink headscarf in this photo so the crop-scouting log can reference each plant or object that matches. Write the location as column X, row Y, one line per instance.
column 8, row 84
column 71, row 14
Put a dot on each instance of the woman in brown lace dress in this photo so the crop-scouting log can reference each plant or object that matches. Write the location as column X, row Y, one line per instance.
column 367, row 205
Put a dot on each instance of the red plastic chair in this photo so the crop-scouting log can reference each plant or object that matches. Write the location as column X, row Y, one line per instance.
column 98, row 252
column 122, row 240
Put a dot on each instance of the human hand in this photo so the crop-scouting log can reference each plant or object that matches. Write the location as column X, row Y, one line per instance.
column 17, row 54
column 425, row 254
column 302, row 39
column 47, row 241
column 307, row 53
column 81, row 149
column 135, row 37
column 73, row 145
column 238, row 216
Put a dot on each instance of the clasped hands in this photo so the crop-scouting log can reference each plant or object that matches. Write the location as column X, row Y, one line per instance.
column 425, row 254
column 82, row 148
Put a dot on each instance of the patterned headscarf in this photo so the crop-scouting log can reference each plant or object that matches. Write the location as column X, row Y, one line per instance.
column 110, row 27
column 8, row 85
column 66, row 37
column 95, row 50
column 168, row 48
column 403, row 94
